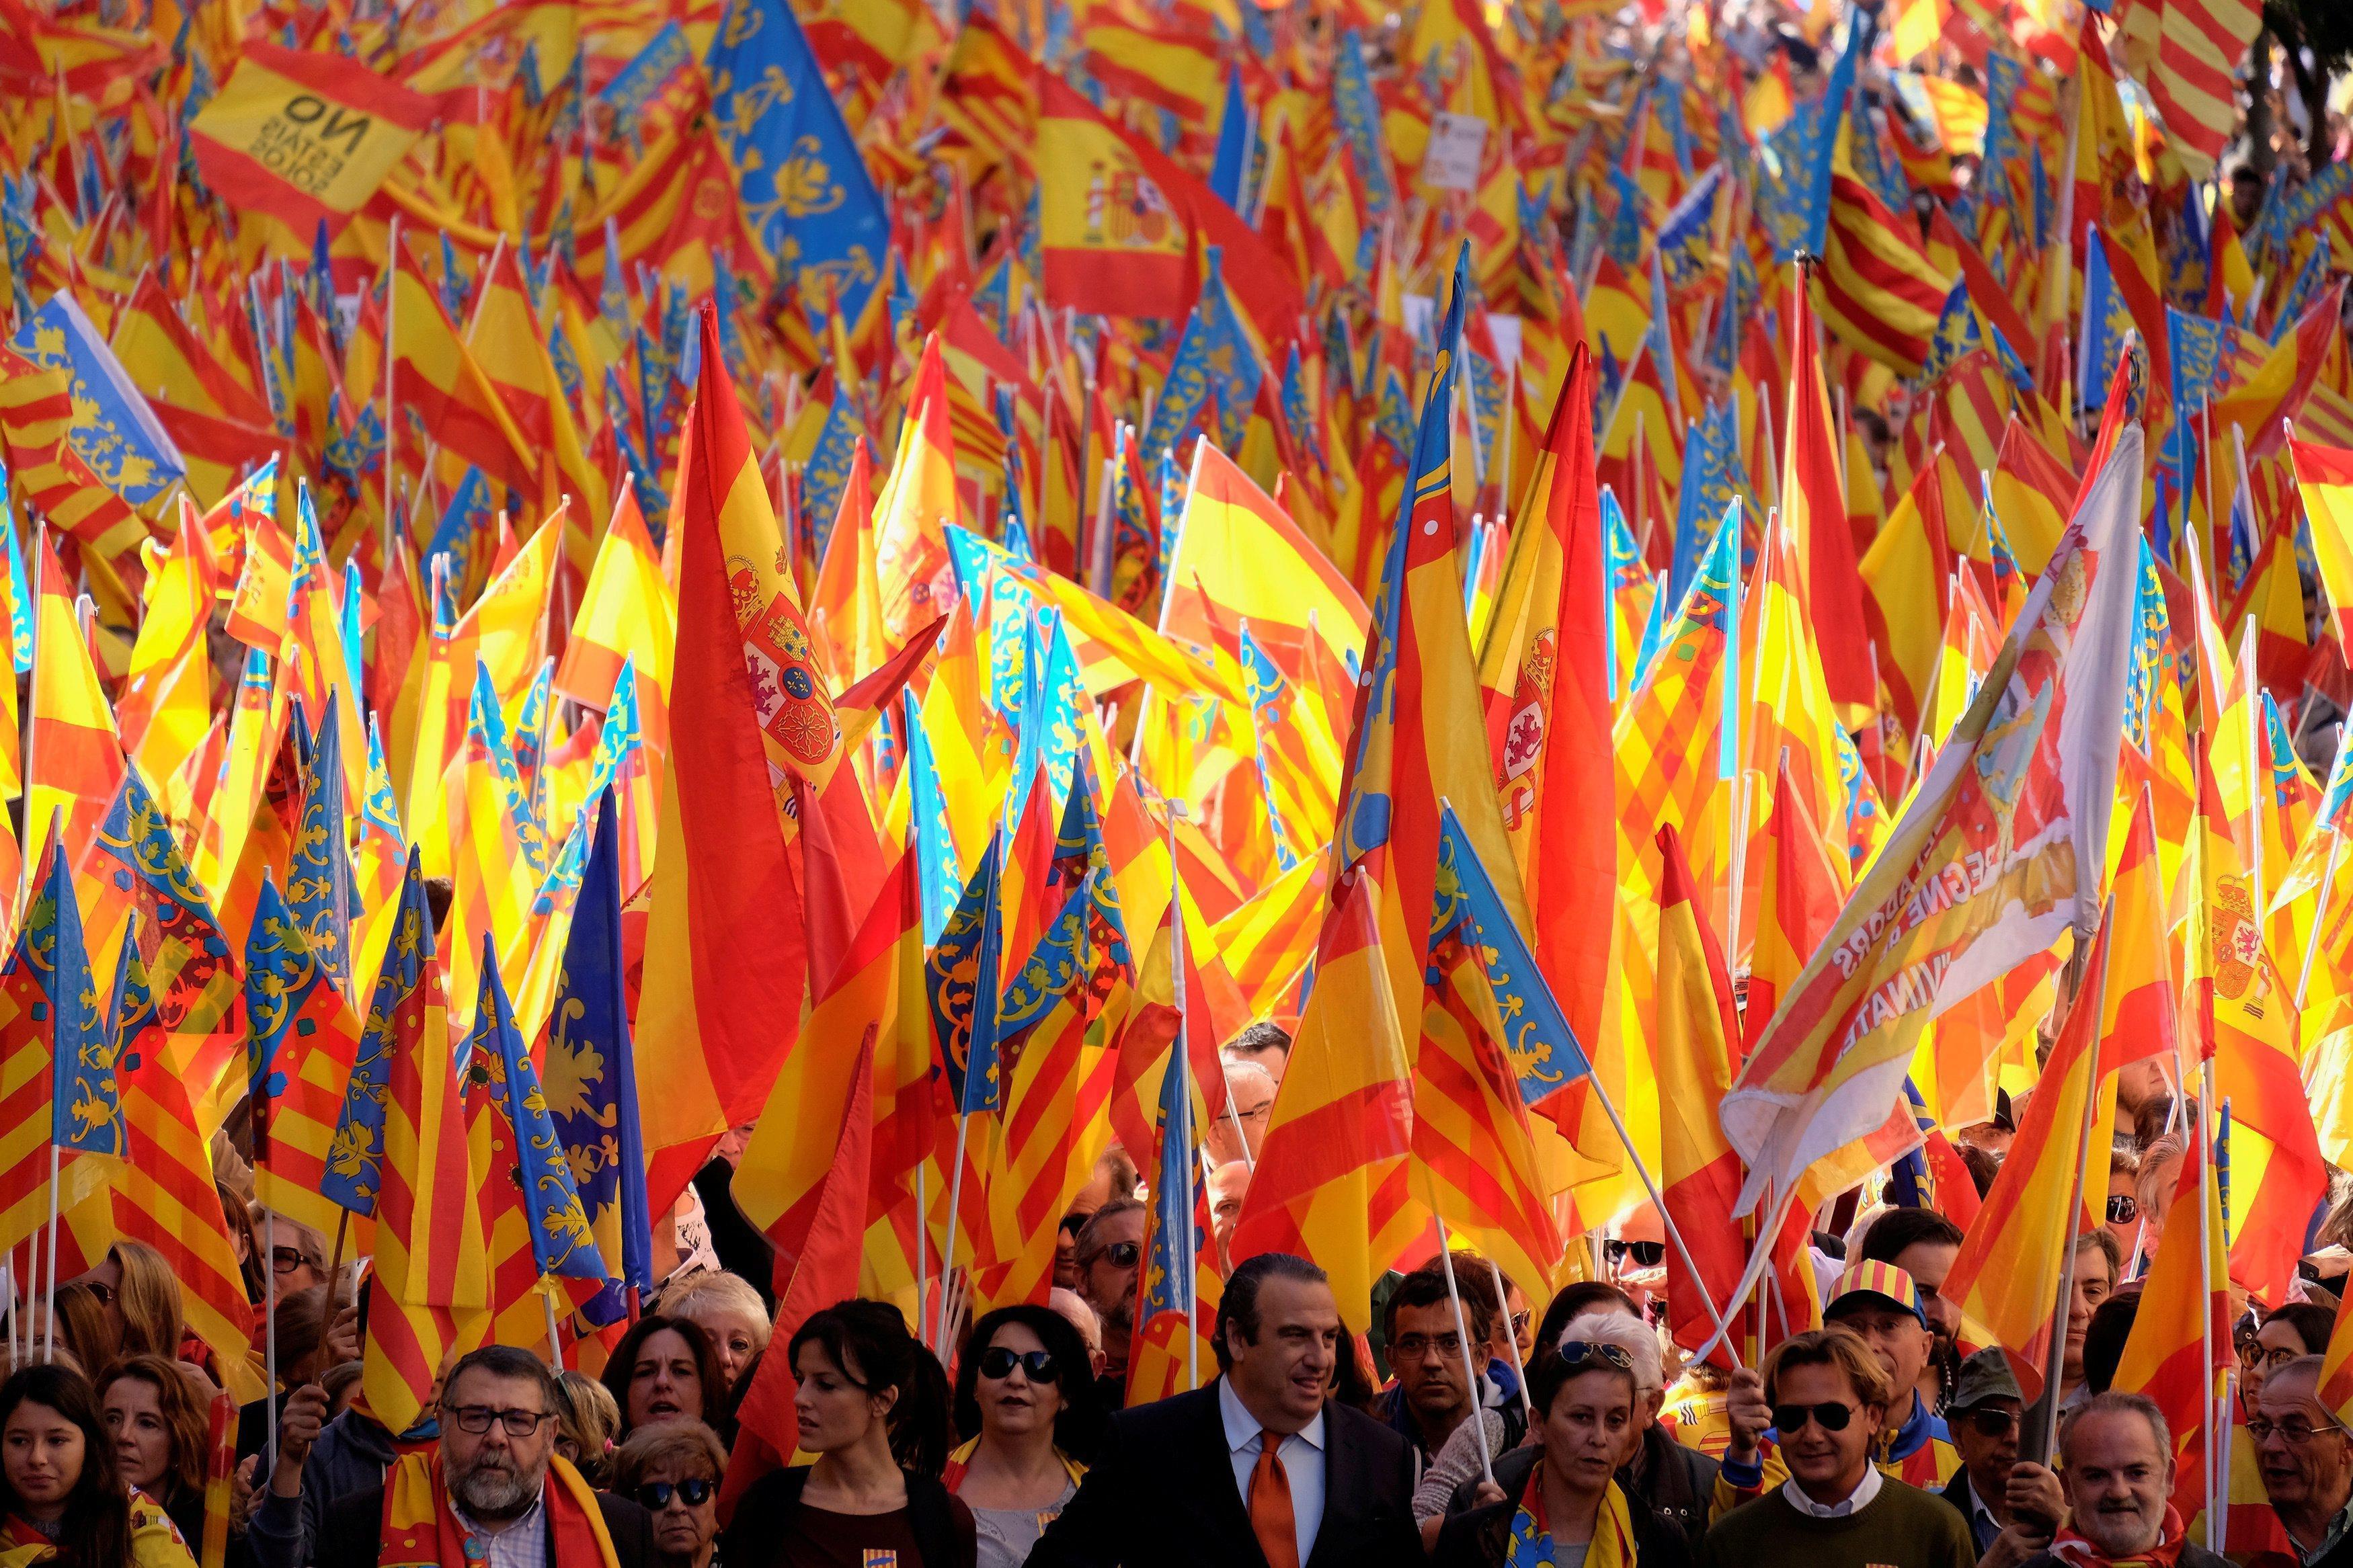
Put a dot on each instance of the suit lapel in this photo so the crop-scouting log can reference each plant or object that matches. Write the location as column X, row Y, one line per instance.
column 1343, row 1498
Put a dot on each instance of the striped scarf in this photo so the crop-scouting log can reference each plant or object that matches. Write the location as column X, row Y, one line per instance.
column 421, row 1530
column 2072, row 1548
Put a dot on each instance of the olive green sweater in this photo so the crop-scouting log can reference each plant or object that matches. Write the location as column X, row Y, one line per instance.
column 1903, row 1526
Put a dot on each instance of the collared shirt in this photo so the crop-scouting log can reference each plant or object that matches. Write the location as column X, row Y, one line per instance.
column 2337, row 1527
column 521, row 1544
column 1301, row 1454
column 1983, row 1526
column 1854, row 1501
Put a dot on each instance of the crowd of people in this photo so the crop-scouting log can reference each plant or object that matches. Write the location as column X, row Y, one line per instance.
column 1470, row 1425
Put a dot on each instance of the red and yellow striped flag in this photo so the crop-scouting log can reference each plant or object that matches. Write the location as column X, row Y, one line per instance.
column 74, row 762
column 2180, row 1339
column 432, row 1279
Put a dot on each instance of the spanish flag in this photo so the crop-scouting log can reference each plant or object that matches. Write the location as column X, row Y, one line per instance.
column 1114, row 241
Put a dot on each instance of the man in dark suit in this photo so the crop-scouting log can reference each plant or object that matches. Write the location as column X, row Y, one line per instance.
column 1258, row 1468
column 492, row 1493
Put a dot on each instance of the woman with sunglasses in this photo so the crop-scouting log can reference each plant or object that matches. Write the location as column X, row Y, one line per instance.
column 1556, row 1502
column 1022, row 1385
column 672, row 1470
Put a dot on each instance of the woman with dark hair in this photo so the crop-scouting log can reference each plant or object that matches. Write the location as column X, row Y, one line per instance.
column 62, row 1501
column 1021, row 1386
column 869, row 1397
column 663, row 1370
column 159, row 1434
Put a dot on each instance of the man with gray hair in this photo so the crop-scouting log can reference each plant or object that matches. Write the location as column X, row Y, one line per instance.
column 2116, row 1463
column 2306, row 1458
column 494, row 1492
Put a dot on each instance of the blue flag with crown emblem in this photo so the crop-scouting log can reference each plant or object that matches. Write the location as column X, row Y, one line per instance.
column 805, row 193
column 590, row 1080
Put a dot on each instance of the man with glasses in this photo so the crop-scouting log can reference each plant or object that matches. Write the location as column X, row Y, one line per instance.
column 1828, row 1393
column 1431, row 1352
column 1994, row 1488
column 1110, row 1245
column 493, row 1493
column 1880, row 1305
column 2306, row 1458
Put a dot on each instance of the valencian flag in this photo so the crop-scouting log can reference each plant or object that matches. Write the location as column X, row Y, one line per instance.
column 60, row 1059
column 431, row 1276
column 1177, row 1289
column 355, row 1152
column 588, row 1056
column 532, row 1219
column 304, row 137
column 303, row 1043
column 806, row 192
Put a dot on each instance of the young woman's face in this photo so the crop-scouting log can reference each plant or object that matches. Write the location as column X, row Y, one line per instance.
column 665, row 1384
column 41, row 1454
column 134, row 1414
column 833, row 1410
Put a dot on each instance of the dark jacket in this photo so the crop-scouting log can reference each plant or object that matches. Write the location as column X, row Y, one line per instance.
column 1480, row 1536
column 943, row 1526
column 352, row 1455
column 2192, row 1556
column 352, row 1536
column 1162, row 1495
column 1957, row 1492
column 1677, row 1484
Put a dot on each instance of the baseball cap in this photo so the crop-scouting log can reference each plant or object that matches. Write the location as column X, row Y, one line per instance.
column 1984, row 1376
column 1884, row 1281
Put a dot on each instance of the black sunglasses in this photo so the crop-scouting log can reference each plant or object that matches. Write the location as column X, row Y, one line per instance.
column 654, row 1496
column 1789, row 1418
column 1646, row 1254
column 2122, row 1208
column 997, row 1360
column 1122, row 1254
column 1992, row 1423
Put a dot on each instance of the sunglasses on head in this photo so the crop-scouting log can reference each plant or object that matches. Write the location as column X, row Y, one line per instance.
column 996, row 1362
column 654, row 1496
column 1789, row 1418
column 1578, row 1353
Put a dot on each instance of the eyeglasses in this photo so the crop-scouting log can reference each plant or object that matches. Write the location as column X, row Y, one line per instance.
column 1122, row 1254
column 998, row 1361
column 1413, row 1347
column 286, row 1259
column 2274, row 1358
column 2294, row 1433
column 477, row 1419
column 1992, row 1423
column 1576, row 1352
column 654, row 1496
column 1792, row 1418
column 2122, row 1208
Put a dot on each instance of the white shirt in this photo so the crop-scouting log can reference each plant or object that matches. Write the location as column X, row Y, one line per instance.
column 522, row 1544
column 1854, row 1501
column 1301, row 1454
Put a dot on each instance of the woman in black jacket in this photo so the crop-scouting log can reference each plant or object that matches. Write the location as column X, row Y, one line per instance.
column 867, row 1395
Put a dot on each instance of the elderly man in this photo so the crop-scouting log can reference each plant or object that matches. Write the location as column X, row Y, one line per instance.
column 2117, row 1458
column 2306, row 1458
column 1994, row 1488
column 493, row 1493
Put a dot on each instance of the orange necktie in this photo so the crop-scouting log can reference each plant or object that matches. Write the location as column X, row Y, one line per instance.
column 1270, row 1506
